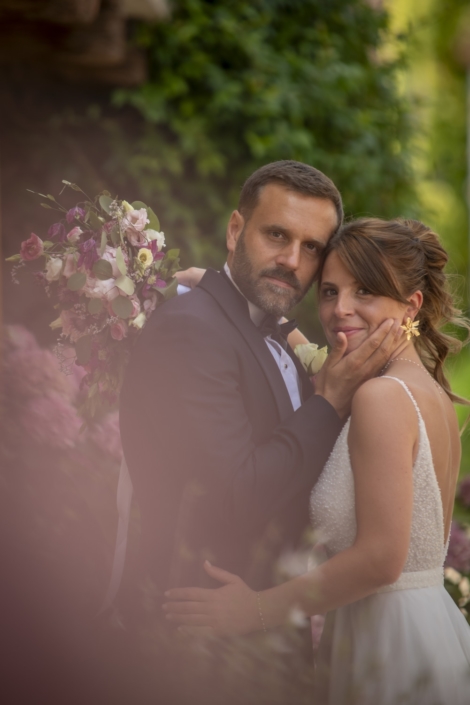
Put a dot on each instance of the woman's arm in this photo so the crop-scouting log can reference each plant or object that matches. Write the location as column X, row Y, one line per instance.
column 382, row 438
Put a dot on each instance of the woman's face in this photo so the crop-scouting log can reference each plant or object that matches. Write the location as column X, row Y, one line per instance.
column 347, row 307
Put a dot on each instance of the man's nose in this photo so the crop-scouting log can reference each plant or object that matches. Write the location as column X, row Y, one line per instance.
column 289, row 257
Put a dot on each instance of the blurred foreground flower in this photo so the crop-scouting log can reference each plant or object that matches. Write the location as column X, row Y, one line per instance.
column 458, row 555
column 463, row 491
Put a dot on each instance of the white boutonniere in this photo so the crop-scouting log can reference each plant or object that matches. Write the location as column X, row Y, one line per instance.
column 311, row 356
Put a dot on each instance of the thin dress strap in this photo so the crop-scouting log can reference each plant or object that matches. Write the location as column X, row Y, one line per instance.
column 400, row 381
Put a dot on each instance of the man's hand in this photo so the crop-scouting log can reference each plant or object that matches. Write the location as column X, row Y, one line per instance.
column 190, row 277
column 342, row 374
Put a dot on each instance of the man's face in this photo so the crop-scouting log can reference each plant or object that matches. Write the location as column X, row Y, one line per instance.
column 273, row 258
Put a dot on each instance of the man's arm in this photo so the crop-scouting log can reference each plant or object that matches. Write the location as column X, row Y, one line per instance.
column 192, row 385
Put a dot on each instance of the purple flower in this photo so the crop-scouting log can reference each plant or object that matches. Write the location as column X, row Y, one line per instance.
column 161, row 283
column 463, row 491
column 458, row 555
column 89, row 254
column 57, row 230
column 75, row 213
column 52, row 421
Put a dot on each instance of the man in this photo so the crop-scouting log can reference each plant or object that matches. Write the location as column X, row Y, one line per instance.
column 222, row 431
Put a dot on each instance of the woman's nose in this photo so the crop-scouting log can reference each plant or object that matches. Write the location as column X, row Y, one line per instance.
column 344, row 305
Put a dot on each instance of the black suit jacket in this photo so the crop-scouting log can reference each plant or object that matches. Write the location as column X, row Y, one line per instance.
column 222, row 466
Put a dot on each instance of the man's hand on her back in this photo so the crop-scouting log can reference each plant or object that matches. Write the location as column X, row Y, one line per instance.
column 342, row 374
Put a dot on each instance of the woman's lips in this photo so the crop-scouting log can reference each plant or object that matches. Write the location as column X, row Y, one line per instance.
column 348, row 331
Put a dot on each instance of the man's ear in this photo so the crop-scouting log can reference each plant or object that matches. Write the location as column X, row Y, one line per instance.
column 414, row 304
column 234, row 229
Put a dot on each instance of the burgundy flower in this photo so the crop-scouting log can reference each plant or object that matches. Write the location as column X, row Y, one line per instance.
column 32, row 248
column 75, row 213
column 458, row 555
column 463, row 491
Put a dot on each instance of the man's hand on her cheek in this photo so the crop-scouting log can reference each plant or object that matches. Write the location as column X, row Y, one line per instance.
column 342, row 374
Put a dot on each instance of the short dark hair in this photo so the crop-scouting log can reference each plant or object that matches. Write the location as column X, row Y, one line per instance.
column 294, row 176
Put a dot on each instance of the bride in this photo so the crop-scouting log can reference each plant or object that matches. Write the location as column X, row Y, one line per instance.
column 383, row 504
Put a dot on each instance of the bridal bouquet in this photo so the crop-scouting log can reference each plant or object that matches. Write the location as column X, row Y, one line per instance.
column 104, row 267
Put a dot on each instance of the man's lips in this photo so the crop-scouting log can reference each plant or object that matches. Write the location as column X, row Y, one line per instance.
column 279, row 282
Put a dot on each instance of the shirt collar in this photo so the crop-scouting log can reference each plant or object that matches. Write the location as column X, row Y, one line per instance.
column 256, row 314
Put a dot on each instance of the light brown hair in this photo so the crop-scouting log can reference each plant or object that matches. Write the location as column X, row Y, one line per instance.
column 294, row 176
column 395, row 258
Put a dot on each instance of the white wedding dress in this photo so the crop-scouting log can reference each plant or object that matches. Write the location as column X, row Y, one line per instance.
column 407, row 643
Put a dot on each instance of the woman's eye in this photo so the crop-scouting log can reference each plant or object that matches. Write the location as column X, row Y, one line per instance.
column 363, row 291
column 328, row 292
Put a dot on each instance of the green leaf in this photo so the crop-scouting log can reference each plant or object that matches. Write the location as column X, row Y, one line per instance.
column 95, row 306
column 76, row 281
column 83, row 349
column 47, row 244
column 46, row 205
column 105, row 202
column 115, row 236
column 172, row 254
column 171, row 290
column 122, row 307
column 102, row 269
column 137, row 205
column 104, row 240
column 13, row 258
column 51, row 198
column 94, row 221
column 121, row 264
column 154, row 223
column 126, row 285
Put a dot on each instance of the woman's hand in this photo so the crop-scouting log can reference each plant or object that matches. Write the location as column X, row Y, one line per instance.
column 229, row 610
column 190, row 277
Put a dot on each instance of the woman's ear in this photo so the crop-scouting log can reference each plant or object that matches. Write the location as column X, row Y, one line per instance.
column 414, row 304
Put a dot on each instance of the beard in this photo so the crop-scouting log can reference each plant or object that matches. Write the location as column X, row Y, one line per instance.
column 260, row 291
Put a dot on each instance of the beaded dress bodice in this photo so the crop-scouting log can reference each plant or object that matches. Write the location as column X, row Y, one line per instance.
column 333, row 516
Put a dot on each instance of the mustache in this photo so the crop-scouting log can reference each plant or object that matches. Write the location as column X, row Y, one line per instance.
column 283, row 275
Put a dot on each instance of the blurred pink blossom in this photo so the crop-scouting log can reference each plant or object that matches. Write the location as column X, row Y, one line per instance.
column 107, row 437
column 33, row 372
column 458, row 555
column 31, row 248
column 51, row 420
column 74, row 235
column 463, row 491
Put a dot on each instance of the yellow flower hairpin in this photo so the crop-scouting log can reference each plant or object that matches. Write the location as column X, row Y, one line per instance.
column 410, row 328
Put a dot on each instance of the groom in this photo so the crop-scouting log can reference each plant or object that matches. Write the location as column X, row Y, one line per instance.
column 222, row 431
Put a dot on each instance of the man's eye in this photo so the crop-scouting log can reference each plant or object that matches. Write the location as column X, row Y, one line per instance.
column 311, row 246
column 276, row 234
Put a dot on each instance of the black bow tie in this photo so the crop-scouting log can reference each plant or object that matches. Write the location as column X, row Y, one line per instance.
column 278, row 331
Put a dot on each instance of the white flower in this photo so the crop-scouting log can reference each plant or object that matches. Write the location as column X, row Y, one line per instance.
column 139, row 321
column 311, row 357
column 452, row 575
column 155, row 235
column 54, row 269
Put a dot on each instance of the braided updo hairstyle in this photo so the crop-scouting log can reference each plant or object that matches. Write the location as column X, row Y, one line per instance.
column 395, row 258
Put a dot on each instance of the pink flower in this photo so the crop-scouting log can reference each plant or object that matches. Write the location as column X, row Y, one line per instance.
column 99, row 288
column 106, row 436
column 32, row 372
column 31, row 248
column 135, row 219
column 72, row 325
column 17, row 337
column 463, row 492
column 458, row 555
column 74, row 235
column 118, row 330
column 51, row 420
column 135, row 306
column 136, row 238
column 150, row 303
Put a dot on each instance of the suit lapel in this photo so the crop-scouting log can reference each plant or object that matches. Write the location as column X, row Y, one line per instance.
column 235, row 307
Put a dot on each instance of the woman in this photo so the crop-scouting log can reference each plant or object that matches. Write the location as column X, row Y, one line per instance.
column 383, row 503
